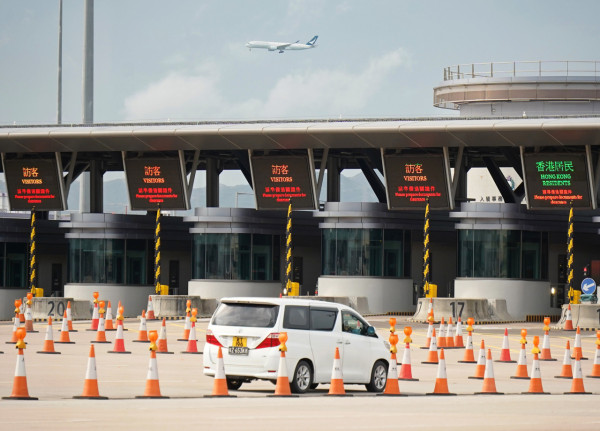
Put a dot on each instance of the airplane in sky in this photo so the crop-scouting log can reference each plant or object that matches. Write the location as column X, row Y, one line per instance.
column 282, row 46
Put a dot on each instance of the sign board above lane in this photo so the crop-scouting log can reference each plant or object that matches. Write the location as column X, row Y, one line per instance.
column 555, row 180
column 34, row 183
column 411, row 180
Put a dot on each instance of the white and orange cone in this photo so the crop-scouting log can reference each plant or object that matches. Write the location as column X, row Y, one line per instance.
column 70, row 318
column 100, row 332
column 596, row 367
column 577, row 350
column 458, row 335
column 49, row 341
column 441, row 339
column 150, row 307
column 188, row 322
column 441, row 381
column 577, row 383
column 64, row 331
column 282, row 386
column 391, row 385
column 337, row 378
column 19, row 390
column 481, row 361
column 546, row 353
column 505, row 352
column 406, row 366
column 469, row 357
column 192, row 345
column 429, row 334
column 568, row 320
column 535, row 384
column 29, row 317
column 567, row 368
column 521, row 372
column 152, row 385
column 90, row 384
column 108, row 321
column 220, row 382
column 449, row 337
column 16, row 325
column 162, row 339
column 119, row 345
column 95, row 315
column 489, row 382
column 432, row 356
column 143, row 331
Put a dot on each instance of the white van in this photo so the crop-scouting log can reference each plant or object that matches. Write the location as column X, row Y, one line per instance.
column 247, row 329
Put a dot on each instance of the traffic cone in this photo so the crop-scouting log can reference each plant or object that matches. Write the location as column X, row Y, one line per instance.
column 220, row 382
column 391, row 384
column 441, row 339
column 162, row 339
column 458, row 335
column 29, row 318
column 535, row 384
column 95, row 316
column 441, row 382
column 336, row 387
column 16, row 325
column 100, row 333
column 150, row 307
column 70, row 317
column 282, row 386
column 596, row 368
column 521, row 372
column 489, row 382
column 406, row 367
column 577, row 383
column 143, row 331
column 449, row 337
column 546, row 354
column 577, row 346
column 64, row 331
column 432, row 356
column 505, row 352
column 188, row 323
column 108, row 321
column 49, row 341
column 192, row 345
column 569, row 320
column 481, row 360
column 20, row 310
column 119, row 345
column 152, row 385
column 90, row 384
column 567, row 368
column 469, row 358
column 429, row 333
column 19, row 390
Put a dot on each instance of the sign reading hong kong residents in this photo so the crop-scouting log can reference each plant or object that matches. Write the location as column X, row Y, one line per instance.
column 411, row 180
column 279, row 179
column 34, row 183
column 555, row 180
column 154, row 182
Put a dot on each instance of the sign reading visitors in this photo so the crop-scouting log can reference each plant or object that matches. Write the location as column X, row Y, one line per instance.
column 155, row 182
column 280, row 179
column 411, row 180
column 34, row 183
column 555, row 180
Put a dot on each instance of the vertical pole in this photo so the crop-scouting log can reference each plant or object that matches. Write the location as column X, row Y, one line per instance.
column 571, row 293
column 32, row 253
column 157, row 288
column 288, row 252
column 426, row 252
column 88, row 63
column 59, row 98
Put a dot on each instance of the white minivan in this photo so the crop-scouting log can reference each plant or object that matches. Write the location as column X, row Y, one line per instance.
column 247, row 330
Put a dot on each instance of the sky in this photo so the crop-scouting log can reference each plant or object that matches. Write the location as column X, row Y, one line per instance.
column 187, row 60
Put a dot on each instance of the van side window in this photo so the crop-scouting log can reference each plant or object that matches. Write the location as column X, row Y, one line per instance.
column 295, row 317
column 353, row 324
column 322, row 319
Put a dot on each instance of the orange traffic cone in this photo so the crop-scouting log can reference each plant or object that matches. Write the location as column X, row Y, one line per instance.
column 108, row 320
column 282, row 386
column 220, row 382
column 29, row 315
column 505, row 352
column 489, row 382
column 152, row 385
column 95, row 316
column 480, row 367
column 535, row 384
column 577, row 346
column 64, row 331
column 449, row 337
column 336, row 387
column 521, row 372
column 577, row 383
column 568, row 320
column 162, row 339
column 150, row 307
column 16, row 325
column 441, row 339
column 90, row 384
column 406, row 367
column 188, row 323
column 391, row 385
column 19, row 390
column 100, row 332
column 441, row 382
column 567, row 368
column 20, row 310
column 119, row 345
column 458, row 336
column 469, row 358
column 143, row 331
column 70, row 317
column 596, row 368
column 49, row 341
column 546, row 354
column 432, row 357
column 429, row 334
column 192, row 345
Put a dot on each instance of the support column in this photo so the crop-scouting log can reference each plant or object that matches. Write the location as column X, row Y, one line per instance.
column 96, row 187
column 212, row 182
column 333, row 179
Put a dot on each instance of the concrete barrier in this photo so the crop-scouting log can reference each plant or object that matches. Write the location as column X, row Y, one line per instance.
column 482, row 310
column 586, row 316
column 7, row 302
column 42, row 308
column 174, row 305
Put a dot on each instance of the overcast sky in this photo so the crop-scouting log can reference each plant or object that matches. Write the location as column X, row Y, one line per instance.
column 186, row 60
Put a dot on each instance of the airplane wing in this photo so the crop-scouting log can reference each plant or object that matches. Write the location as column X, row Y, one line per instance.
column 283, row 46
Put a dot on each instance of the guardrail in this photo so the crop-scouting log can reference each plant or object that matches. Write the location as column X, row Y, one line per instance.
column 522, row 68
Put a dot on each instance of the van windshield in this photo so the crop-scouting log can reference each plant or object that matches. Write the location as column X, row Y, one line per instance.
column 249, row 315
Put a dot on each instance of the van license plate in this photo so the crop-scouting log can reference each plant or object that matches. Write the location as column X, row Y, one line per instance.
column 238, row 350
column 239, row 346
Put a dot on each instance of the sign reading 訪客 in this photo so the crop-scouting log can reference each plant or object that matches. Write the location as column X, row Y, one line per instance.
column 34, row 183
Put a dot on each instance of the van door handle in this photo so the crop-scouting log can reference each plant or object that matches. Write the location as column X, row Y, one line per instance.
column 340, row 341
column 348, row 342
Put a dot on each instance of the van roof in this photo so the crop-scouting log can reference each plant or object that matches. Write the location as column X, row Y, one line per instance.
column 284, row 301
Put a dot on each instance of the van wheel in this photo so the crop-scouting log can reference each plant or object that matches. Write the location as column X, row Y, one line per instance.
column 378, row 377
column 303, row 377
column 234, row 384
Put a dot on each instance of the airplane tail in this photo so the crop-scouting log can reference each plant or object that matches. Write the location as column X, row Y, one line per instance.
column 312, row 41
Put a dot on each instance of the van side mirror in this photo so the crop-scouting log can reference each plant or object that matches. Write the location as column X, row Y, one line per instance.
column 370, row 331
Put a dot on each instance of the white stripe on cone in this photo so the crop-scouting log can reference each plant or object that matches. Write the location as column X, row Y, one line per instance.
column 448, row 330
column 522, row 356
column 577, row 374
column 481, row 360
column 469, row 342
column 433, row 345
column 220, row 371
column 458, row 332
column 109, row 315
column 505, row 342
column 49, row 335
column 95, row 313
column 336, row 372
column 20, row 367
column 282, row 367
column 163, row 333
column 192, row 336
column 119, row 335
column 546, row 342
column 16, row 324
column 489, row 369
column 90, row 373
column 406, row 355
column 143, row 327
column 441, row 371
column 567, row 357
column 188, row 323
column 101, row 325
column 69, row 314
column 152, row 369
column 64, row 326
column 536, row 372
